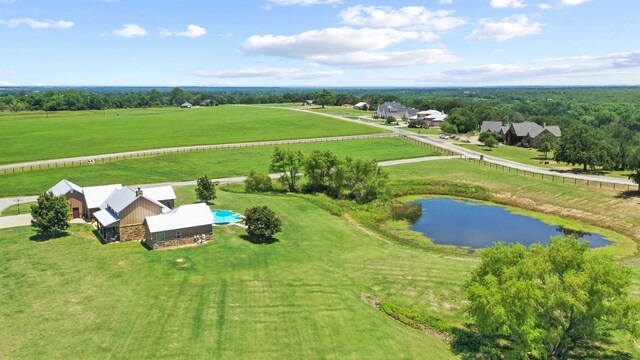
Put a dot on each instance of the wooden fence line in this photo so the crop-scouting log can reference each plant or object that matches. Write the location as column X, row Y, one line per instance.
column 151, row 153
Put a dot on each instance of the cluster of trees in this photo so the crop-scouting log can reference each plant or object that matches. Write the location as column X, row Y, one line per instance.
column 360, row 180
column 550, row 301
column 615, row 148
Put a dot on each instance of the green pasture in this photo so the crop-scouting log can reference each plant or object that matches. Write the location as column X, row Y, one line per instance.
column 189, row 166
column 29, row 136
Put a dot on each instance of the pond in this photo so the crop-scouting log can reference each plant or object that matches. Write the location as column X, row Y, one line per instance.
column 474, row 224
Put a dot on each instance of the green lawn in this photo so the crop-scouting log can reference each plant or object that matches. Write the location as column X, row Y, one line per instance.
column 341, row 111
column 22, row 208
column 188, row 166
column 534, row 157
column 30, row 136
column 297, row 298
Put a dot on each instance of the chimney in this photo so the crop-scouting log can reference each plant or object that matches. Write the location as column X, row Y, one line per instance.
column 544, row 125
column 139, row 192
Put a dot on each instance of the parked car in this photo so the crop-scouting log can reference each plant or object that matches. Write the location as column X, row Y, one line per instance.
column 445, row 136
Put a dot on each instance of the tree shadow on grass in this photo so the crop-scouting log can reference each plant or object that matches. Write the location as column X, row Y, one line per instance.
column 259, row 241
column 629, row 194
column 47, row 237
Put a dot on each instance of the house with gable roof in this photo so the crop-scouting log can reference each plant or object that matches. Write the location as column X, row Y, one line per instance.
column 395, row 110
column 123, row 212
column 74, row 196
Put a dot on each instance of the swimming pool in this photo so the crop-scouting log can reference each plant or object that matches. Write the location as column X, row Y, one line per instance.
column 224, row 217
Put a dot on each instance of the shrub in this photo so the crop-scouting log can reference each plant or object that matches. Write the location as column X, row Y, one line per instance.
column 409, row 212
column 257, row 182
column 205, row 189
column 262, row 223
column 50, row 214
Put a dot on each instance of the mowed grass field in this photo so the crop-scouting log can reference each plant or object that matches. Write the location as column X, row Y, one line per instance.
column 31, row 136
column 535, row 158
column 189, row 166
column 297, row 298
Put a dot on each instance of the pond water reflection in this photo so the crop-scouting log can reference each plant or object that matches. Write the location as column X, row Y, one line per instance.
column 457, row 222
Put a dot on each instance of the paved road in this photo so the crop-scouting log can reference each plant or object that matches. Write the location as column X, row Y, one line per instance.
column 7, row 222
column 512, row 164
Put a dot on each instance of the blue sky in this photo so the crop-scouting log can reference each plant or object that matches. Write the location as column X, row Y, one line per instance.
column 319, row 42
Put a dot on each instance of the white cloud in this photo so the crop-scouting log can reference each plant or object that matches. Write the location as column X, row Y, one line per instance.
column 38, row 24
column 541, row 70
column 130, row 30
column 370, row 60
column 326, row 42
column 545, row 6
column 501, row 4
column 444, row 2
column 505, row 29
column 6, row 83
column 304, row 2
column 410, row 17
column 279, row 73
column 572, row 2
column 347, row 47
column 193, row 31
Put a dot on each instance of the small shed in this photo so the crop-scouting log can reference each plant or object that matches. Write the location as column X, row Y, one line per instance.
column 186, row 105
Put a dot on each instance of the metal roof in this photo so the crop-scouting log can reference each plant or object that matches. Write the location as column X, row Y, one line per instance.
column 64, row 187
column 120, row 199
column 182, row 217
column 106, row 217
column 160, row 193
column 94, row 196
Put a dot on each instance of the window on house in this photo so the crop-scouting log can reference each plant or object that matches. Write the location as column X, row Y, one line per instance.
column 178, row 234
column 160, row 237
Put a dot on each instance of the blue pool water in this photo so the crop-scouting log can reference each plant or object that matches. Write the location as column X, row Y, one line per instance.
column 477, row 225
column 222, row 217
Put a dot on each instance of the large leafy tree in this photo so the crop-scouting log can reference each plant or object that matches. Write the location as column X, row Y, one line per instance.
column 578, row 146
column 546, row 143
column 205, row 189
column 289, row 163
column 262, row 223
column 548, row 301
column 257, row 182
column 362, row 179
column 633, row 164
column 325, row 97
column 318, row 168
column 50, row 214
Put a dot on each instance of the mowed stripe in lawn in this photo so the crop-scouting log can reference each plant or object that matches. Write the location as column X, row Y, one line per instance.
column 296, row 298
column 189, row 166
column 70, row 134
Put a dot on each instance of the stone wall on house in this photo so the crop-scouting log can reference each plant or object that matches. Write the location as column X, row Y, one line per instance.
column 132, row 233
column 190, row 240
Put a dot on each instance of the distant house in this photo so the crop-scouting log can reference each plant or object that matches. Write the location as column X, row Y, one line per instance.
column 123, row 213
column 308, row 103
column 207, row 102
column 362, row 106
column 187, row 224
column 519, row 133
column 74, row 196
column 395, row 110
column 431, row 118
column 186, row 105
